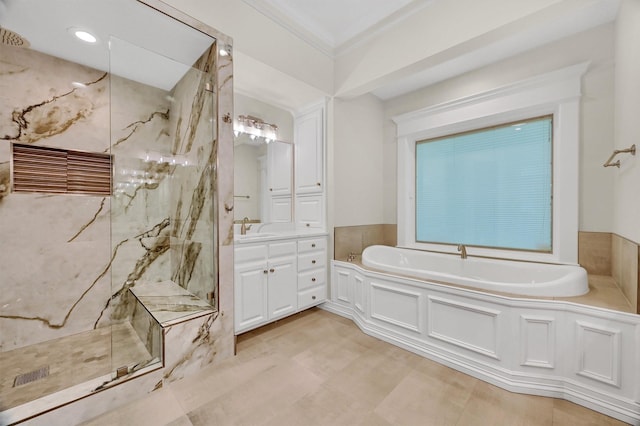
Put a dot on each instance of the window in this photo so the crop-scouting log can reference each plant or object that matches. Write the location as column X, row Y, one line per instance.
column 59, row 171
column 555, row 95
column 490, row 187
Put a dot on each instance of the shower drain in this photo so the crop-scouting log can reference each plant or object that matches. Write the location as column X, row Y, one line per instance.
column 32, row 376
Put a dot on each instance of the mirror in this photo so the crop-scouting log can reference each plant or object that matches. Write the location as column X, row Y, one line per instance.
column 263, row 168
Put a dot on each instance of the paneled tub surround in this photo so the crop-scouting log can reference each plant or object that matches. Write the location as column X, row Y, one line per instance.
column 585, row 354
column 278, row 273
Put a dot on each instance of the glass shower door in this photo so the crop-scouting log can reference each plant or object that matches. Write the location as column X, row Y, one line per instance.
column 163, row 145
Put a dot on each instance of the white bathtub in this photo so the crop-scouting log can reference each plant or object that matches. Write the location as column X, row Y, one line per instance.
column 523, row 278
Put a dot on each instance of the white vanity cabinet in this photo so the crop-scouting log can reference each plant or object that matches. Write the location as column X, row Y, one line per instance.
column 280, row 210
column 277, row 278
column 310, row 211
column 309, row 150
column 265, row 283
column 309, row 168
column 279, row 159
column 312, row 272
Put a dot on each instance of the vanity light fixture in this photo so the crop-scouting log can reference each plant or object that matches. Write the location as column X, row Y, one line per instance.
column 256, row 128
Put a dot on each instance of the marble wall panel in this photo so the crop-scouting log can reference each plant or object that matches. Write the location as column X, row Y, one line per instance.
column 52, row 102
column 222, row 328
column 192, row 129
column 189, row 347
column 56, row 248
column 148, row 330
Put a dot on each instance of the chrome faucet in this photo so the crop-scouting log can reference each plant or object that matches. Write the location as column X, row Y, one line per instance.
column 244, row 228
column 463, row 251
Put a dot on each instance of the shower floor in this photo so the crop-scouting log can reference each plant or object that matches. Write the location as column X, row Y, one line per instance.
column 68, row 360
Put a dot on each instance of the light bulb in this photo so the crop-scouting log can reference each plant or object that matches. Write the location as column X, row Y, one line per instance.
column 85, row 36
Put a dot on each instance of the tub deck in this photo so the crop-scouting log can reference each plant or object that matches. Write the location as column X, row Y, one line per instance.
column 603, row 291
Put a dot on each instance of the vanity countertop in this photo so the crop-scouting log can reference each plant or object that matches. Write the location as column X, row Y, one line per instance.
column 274, row 236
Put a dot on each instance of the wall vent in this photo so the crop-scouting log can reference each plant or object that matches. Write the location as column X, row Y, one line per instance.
column 60, row 171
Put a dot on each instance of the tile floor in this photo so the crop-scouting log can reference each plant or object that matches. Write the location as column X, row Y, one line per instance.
column 316, row 368
column 71, row 360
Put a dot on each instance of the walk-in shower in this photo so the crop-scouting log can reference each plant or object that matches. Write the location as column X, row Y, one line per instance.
column 81, row 269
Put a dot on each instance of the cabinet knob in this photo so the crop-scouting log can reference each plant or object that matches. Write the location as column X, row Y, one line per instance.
column 318, row 183
column 270, row 189
column 313, row 280
column 313, row 261
column 265, row 272
column 313, row 297
column 308, row 224
column 272, row 270
column 313, row 245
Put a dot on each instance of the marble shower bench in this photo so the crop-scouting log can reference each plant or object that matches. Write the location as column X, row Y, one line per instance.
column 173, row 324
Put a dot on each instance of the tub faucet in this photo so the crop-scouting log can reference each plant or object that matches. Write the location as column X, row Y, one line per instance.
column 244, row 228
column 463, row 251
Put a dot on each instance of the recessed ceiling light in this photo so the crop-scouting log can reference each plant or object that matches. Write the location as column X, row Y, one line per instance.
column 83, row 35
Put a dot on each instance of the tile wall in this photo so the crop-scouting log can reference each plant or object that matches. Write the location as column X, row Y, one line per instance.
column 603, row 253
column 354, row 239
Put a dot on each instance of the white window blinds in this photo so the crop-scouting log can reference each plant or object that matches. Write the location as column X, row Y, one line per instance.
column 490, row 187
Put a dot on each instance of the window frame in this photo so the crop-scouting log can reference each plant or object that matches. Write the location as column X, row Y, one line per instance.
column 478, row 130
column 556, row 93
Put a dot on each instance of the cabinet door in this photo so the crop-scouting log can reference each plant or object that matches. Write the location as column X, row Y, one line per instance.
column 283, row 287
column 250, row 291
column 310, row 211
column 280, row 209
column 280, row 171
column 309, row 137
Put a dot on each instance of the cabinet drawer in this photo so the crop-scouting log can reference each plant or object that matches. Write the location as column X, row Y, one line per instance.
column 313, row 260
column 250, row 253
column 312, row 278
column 311, row 297
column 312, row 245
column 285, row 248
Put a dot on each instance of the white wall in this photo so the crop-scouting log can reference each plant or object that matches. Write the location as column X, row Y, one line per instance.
column 356, row 160
column 262, row 39
column 627, row 107
column 596, row 196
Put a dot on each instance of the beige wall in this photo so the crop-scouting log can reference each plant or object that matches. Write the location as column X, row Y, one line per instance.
column 356, row 161
column 597, row 112
column 627, row 107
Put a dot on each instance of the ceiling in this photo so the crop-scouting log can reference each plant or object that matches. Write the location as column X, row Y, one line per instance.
column 157, row 53
column 332, row 26
column 336, row 27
